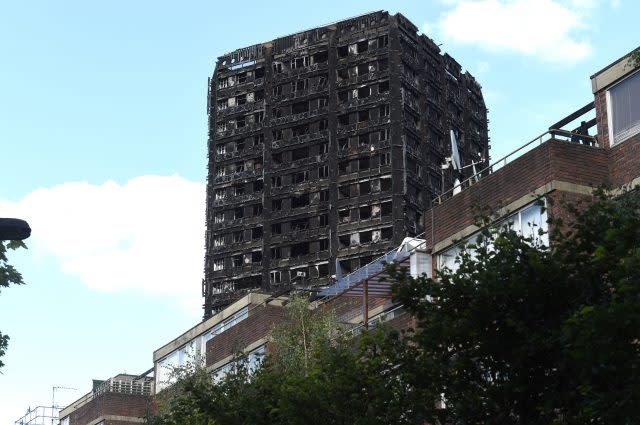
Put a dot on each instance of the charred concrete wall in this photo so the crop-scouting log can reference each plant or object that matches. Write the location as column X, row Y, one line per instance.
column 326, row 145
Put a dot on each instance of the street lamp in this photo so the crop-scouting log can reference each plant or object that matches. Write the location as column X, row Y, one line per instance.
column 14, row 229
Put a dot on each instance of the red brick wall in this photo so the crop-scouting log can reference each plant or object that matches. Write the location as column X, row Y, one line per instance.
column 553, row 160
column 256, row 326
column 116, row 404
column 602, row 123
column 624, row 161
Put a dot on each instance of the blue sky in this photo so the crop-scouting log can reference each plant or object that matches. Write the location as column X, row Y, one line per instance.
column 103, row 150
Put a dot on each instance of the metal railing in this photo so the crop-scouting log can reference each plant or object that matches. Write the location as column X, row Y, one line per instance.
column 552, row 134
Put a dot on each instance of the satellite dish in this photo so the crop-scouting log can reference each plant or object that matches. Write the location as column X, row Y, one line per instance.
column 455, row 155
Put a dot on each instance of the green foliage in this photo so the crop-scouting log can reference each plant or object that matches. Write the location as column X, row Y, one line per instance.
column 524, row 334
column 298, row 341
column 8, row 276
column 335, row 380
column 520, row 333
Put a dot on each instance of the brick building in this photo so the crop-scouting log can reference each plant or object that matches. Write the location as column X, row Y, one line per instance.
column 561, row 163
column 325, row 148
column 241, row 327
column 121, row 400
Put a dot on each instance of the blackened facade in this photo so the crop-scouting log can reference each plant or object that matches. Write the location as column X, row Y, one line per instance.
column 325, row 147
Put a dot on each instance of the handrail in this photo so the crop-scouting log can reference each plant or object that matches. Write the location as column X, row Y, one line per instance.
column 491, row 168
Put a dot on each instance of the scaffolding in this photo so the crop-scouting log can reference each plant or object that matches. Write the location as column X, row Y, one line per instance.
column 40, row 415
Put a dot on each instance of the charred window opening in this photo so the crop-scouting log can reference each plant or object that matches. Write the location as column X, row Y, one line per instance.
column 323, row 172
column 236, row 261
column 323, row 245
column 256, row 257
column 385, row 184
column 324, row 220
column 300, row 153
column 321, row 57
column 275, row 276
column 276, row 252
column 363, row 116
column 364, row 188
column 386, row 233
column 343, row 192
column 364, row 92
column 238, row 190
column 299, row 249
column 363, row 139
column 276, row 205
column 238, row 213
column 276, row 181
column 344, row 241
column 343, row 119
column 384, row 111
column 387, row 209
column 276, row 228
column 299, row 224
column 258, row 186
column 383, row 87
column 259, row 72
column 343, row 143
column 362, row 46
column 300, row 130
column 257, row 210
column 256, row 233
column 343, row 97
column 300, row 201
column 300, row 85
column 343, row 51
column 323, row 125
column 365, row 237
column 238, row 237
column 343, row 167
column 365, row 212
column 301, row 176
column 344, row 216
column 364, row 163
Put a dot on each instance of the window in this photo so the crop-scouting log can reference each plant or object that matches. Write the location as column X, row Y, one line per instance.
column 527, row 222
column 323, row 172
column 219, row 217
column 324, row 196
column 256, row 233
column 218, row 264
column 238, row 236
column 237, row 261
column 623, row 109
column 324, row 220
column 324, row 244
column 275, row 276
column 276, row 228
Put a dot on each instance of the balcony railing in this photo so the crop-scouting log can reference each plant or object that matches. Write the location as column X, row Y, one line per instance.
column 552, row 134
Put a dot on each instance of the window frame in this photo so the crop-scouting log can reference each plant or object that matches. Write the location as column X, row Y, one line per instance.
column 612, row 141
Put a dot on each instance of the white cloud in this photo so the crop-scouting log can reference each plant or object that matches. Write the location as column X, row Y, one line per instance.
column 545, row 29
column 146, row 235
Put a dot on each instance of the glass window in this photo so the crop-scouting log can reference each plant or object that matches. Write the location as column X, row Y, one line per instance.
column 624, row 109
column 527, row 222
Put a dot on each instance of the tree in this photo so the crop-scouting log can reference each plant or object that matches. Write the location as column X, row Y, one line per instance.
column 526, row 334
column 314, row 375
column 8, row 276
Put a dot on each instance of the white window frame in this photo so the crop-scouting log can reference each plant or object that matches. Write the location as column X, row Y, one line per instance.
column 612, row 141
